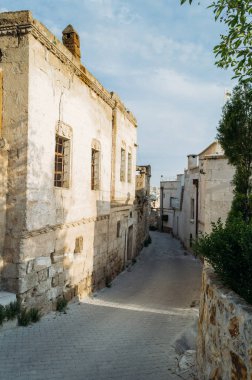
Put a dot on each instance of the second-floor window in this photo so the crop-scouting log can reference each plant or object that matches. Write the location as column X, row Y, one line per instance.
column 123, row 165
column 62, row 162
column 95, row 169
column 129, row 167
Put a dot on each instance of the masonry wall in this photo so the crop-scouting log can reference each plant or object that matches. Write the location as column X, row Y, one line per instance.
column 216, row 191
column 124, row 191
column 14, row 64
column 62, row 241
column 3, row 193
column 186, row 225
column 224, row 347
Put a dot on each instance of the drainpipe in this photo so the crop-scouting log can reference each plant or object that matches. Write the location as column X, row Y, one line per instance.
column 162, row 207
column 196, row 184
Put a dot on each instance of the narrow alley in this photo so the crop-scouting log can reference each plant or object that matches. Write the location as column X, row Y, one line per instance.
column 126, row 331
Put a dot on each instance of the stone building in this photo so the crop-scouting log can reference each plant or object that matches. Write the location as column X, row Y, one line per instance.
column 215, row 187
column 67, row 168
column 169, row 202
column 142, row 205
column 200, row 196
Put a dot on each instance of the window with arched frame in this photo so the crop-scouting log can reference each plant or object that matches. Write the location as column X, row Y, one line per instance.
column 95, row 164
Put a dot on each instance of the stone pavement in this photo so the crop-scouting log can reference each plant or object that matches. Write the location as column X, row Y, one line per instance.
column 126, row 332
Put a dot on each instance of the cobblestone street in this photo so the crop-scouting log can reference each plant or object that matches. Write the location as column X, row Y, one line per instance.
column 123, row 332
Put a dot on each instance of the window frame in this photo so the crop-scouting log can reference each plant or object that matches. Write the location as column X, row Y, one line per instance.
column 123, row 165
column 95, row 165
column 62, row 158
column 129, row 172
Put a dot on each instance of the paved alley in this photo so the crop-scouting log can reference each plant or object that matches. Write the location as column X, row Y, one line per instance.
column 125, row 332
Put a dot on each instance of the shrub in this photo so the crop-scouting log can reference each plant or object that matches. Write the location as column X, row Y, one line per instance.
column 61, row 304
column 2, row 314
column 12, row 310
column 34, row 315
column 229, row 250
column 24, row 318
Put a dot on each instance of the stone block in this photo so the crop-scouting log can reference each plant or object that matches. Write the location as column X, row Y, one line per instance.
column 55, row 269
column 53, row 293
column 42, row 263
column 37, row 246
column 43, row 274
column 30, row 266
column 27, row 282
column 10, row 271
column 43, row 287
column 61, row 277
column 57, row 256
column 22, row 269
column 55, row 281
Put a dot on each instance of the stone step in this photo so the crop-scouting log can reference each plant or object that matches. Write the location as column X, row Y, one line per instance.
column 6, row 298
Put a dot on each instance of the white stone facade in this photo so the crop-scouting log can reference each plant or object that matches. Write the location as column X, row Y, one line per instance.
column 202, row 195
column 64, row 239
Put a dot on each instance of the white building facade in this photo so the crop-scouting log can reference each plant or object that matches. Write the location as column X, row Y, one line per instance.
column 67, row 178
column 202, row 195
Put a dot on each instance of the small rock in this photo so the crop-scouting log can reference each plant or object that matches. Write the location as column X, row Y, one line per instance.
column 187, row 361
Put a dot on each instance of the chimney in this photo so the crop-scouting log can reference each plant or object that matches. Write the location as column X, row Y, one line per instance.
column 192, row 161
column 71, row 40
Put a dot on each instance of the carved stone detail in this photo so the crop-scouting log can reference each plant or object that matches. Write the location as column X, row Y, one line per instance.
column 28, row 234
column 110, row 98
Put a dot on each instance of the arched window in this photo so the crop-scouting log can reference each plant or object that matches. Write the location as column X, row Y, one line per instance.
column 129, row 167
column 62, row 155
column 95, row 164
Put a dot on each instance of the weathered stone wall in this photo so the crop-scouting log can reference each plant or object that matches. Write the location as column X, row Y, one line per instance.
column 224, row 347
column 3, row 192
column 126, row 137
column 61, row 240
column 53, row 263
column 187, row 223
column 14, row 63
column 215, row 189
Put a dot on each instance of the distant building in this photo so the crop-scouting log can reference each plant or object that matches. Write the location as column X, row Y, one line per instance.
column 169, row 202
column 155, row 197
column 143, row 177
column 200, row 196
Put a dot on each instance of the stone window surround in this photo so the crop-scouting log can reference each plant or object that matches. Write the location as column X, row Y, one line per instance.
column 65, row 131
column 126, row 157
column 129, row 174
column 95, row 164
column 123, row 164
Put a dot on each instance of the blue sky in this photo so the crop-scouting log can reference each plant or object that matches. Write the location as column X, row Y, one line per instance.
column 158, row 57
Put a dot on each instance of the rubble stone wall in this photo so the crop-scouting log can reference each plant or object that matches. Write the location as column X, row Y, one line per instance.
column 72, row 259
column 224, row 347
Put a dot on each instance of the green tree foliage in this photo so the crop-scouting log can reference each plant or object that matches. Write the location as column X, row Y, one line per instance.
column 235, row 47
column 229, row 250
column 235, row 136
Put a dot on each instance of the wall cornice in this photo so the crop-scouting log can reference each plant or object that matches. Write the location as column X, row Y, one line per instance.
column 62, row 226
column 81, row 72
